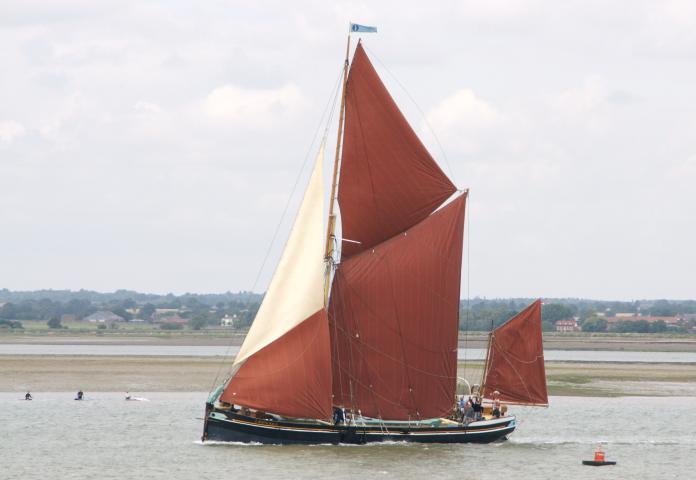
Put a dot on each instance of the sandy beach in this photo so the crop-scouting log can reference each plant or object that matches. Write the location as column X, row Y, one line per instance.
column 19, row 373
column 58, row 373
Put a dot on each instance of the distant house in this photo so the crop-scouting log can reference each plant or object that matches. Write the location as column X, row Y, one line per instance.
column 164, row 315
column 170, row 319
column 567, row 325
column 228, row 321
column 104, row 316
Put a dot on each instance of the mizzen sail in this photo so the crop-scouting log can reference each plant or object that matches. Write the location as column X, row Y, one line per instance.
column 515, row 360
column 283, row 365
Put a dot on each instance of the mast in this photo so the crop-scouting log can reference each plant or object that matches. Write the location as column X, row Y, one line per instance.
column 328, row 250
column 482, row 388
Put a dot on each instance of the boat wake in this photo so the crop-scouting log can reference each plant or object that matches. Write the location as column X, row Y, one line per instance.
column 217, row 443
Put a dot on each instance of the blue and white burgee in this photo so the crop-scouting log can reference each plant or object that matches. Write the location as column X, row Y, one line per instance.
column 356, row 28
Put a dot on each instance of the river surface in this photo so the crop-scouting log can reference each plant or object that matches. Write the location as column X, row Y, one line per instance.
column 211, row 351
column 106, row 437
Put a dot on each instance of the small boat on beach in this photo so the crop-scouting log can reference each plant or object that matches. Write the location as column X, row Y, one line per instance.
column 357, row 335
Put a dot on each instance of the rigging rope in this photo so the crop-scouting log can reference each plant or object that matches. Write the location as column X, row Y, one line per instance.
column 468, row 283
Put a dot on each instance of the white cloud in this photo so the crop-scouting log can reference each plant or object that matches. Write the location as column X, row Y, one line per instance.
column 591, row 97
column 460, row 118
column 10, row 130
column 670, row 27
column 252, row 106
column 589, row 105
column 147, row 108
column 685, row 171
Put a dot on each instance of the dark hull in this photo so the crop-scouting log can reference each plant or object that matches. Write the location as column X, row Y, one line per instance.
column 230, row 427
column 595, row 463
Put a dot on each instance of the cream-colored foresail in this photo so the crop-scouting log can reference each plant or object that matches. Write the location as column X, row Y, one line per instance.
column 296, row 291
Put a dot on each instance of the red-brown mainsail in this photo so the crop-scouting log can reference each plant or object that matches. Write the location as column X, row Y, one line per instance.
column 394, row 321
column 388, row 182
column 395, row 297
column 515, row 360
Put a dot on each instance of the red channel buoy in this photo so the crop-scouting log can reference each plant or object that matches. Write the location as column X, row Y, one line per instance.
column 599, row 459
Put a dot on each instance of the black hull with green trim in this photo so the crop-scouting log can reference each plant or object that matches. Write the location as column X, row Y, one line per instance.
column 226, row 426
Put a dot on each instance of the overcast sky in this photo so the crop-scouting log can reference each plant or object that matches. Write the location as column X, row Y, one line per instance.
column 153, row 145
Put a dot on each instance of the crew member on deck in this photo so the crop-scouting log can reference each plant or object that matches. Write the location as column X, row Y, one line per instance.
column 496, row 404
column 477, row 407
column 339, row 416
column 469, row 410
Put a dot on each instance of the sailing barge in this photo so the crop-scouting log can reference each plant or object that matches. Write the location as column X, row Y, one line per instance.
column 356, row 339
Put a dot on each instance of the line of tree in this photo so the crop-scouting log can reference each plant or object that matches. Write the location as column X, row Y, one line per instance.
column 124, row 295
column 200, row 310
column 484, row 315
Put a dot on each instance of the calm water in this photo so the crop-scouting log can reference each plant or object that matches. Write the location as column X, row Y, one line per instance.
column 117, row 350
column 210, row 351
column 106, row 437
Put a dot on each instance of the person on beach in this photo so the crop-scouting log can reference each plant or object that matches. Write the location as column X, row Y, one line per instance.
column 28, row 396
